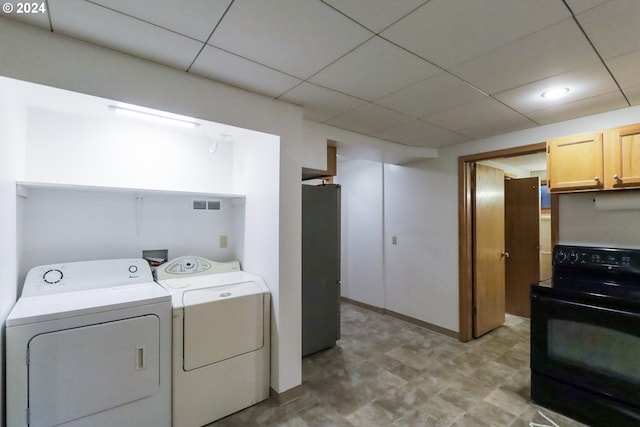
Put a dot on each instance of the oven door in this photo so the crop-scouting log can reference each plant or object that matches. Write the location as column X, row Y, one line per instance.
column 585, row 343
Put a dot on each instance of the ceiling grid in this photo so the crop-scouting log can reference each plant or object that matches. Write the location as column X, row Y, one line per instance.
column 414, row 72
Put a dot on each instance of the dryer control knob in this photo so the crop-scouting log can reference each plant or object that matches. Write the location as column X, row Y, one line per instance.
column 52, row 276
column 133, row 269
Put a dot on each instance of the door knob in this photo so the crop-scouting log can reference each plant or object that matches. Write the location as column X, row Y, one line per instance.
column 505, row 254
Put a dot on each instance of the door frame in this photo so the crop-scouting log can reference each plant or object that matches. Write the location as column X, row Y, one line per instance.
column 465, row 228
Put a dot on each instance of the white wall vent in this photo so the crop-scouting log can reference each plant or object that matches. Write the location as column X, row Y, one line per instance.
column 208, row 205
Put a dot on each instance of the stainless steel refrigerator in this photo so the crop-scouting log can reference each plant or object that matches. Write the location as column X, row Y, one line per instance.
column 320, row 267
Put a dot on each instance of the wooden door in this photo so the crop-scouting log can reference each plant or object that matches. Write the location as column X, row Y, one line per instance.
column 522, row 242
column 622, row 157
column 575, row 162
column 488, row 292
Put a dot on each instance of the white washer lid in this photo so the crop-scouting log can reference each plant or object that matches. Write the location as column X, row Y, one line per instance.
column 181, row 286
column 218, row 293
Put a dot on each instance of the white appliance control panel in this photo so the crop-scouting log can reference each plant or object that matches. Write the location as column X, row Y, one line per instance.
column 194, row 266
column 187, row 265
column 85, row 275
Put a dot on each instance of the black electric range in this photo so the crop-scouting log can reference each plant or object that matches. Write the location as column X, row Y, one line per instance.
column 585, row 335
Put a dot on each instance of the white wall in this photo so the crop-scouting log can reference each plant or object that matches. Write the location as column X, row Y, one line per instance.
column 12, row 140
column 260, row 184
column 51, row 59
column 362, row 266
column 584, row 223
column 63, row 225
column 114, row 151
column 419, row 213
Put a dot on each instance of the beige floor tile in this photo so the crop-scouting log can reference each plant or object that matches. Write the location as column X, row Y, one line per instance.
column 385, row 372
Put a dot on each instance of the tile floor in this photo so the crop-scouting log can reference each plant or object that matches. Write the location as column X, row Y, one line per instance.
column 385, row 372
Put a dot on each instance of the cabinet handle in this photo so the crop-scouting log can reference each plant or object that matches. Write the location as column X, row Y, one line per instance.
column 616, row 177
column 596, row 179
column 505, row 254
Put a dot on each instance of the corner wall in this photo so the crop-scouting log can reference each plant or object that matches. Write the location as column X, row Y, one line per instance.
column 12, row 153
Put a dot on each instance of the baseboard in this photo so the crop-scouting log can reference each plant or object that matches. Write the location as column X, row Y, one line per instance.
column 408, row 319
column 287, row 396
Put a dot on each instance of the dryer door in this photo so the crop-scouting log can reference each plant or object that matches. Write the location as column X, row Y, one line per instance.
column 75, row 373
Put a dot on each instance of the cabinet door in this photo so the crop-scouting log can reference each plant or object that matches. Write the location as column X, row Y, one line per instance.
column 622, row 157
column 575, row 162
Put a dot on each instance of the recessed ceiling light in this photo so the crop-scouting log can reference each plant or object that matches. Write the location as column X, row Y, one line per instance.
column 555, row 92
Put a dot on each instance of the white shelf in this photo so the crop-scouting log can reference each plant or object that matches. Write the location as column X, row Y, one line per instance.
column 26, row 185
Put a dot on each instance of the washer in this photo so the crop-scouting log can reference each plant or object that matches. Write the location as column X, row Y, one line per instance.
column 89, row 344
column 221, row 338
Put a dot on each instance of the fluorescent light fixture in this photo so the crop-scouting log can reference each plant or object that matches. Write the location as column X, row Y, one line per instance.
column 155, row 115
column 555, row 92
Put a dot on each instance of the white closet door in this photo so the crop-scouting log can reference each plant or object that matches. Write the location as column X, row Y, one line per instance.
column 78, row 372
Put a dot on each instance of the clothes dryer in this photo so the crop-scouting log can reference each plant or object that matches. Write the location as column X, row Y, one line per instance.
column 88, row 345
column 221, row 339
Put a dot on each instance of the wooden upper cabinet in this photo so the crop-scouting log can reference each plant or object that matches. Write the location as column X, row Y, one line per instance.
column 622, row 157
column 575, row 162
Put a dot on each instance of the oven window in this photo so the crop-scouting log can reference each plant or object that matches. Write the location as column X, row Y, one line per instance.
column 595, row 347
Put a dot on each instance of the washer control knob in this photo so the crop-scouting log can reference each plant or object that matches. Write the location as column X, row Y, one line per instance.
column 133, row 269
column 52, row 276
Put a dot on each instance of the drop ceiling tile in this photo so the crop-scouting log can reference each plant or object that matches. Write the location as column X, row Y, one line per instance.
column 196, row 19
column 375, row 14
column 236, row 71
column 442, row 140
column 104, row 27
column 448, row 32
column 626, row 69
column 320, row 104
column 579, row 6
column 369, row 119
column 498, row 127
column 472, row 114
column 410, row 132
column 583, row 107
column 374, row 69
column 554, row 50
column 613, row 27
column 434, row 94
column 584, row 83
column 16, row 12
column 633, row 95
column 298, row 37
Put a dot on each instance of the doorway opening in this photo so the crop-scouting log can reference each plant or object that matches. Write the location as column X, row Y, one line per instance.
column 467, row 222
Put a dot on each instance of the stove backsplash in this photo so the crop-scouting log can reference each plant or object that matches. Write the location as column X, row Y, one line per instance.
column 607, row 219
